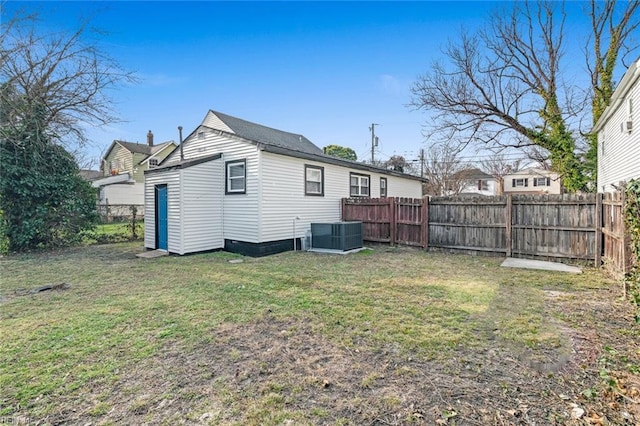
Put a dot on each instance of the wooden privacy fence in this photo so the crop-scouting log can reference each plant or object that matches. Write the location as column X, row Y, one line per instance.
column 618, row 256
column 545, row 226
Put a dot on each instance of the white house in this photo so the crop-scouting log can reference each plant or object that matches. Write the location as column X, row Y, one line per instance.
column 532, row 181
column 474, row 181
column 248, row 188
column 618, row 132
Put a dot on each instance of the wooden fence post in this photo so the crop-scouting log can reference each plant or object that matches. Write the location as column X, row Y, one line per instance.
column 625, row 241
column 392, row 221
column 507, row 220
column 425, row 222
column 598, row 226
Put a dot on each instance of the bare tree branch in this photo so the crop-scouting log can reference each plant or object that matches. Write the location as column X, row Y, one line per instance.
column 59, row 75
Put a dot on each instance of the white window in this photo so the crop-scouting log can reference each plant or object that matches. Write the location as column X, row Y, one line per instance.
column 520, row 182
column 153, row 162
column 314, row 180
column 236, row 177
column 541, row 181
column 359, row 185
column 483, row 185
column 383, row 187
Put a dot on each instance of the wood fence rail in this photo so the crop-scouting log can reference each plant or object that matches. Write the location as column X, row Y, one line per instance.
column 580, row 227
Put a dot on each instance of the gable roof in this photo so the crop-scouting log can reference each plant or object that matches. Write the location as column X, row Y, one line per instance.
column 262, row 134
column 472, row 174
column 138, row 148
column 532, row 171
column 277, row 142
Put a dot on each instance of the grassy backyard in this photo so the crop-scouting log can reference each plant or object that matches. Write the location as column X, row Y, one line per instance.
column 389, row 336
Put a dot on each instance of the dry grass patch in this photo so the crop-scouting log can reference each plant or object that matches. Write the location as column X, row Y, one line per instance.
column 395, row 336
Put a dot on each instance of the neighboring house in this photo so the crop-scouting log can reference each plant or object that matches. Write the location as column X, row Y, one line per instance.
column 618, row 131
column 122, row 168
column 532, row 181
column 252, row 189
column 473, row 181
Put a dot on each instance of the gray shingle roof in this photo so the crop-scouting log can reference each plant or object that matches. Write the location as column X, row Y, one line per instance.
column 142, row 148
column 268, row 135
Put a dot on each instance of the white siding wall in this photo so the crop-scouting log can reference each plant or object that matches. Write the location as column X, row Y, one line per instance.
column 619, row 150
column 554, row 180
column 122, row 193
column 212, row 120
column 202, row 206
column 241, row 211
column 172, row 180
column 283, row 194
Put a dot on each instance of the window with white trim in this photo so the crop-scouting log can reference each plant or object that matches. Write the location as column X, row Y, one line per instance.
column 541, row 181
column 313, row 180
column 236, row 177
column 153, row 162
column 520, row 182
column 383, row 187
column 483, row 185
column 359, row 185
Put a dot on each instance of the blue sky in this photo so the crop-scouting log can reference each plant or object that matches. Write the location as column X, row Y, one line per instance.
column 326, row 70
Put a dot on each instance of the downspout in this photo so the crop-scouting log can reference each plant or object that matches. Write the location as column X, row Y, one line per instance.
column 180, row 138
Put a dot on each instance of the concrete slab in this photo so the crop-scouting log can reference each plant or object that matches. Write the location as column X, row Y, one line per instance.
column 511, row 262
column 152, row 254
column 319, row 250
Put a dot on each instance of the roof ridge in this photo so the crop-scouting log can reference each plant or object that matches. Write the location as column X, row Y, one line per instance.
column 255, row 124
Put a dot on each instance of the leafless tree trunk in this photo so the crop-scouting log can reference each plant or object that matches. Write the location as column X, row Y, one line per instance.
column 502, row 86
column 612, row 38
column 442, row 170
column 498, row 166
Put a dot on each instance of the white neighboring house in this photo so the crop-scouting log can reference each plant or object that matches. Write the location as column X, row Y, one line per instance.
column 532, row 181
column 618, row 132
column 474, row 181
column 251, row 189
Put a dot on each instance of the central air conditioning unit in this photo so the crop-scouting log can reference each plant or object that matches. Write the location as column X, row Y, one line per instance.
column 341, row 236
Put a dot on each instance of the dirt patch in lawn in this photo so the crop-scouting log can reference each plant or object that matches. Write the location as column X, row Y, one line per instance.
column 275, row 371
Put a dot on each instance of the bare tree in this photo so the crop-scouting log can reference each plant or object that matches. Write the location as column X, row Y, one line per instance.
column 502, row 86
column 442, row 170
column 58, row 77
column 498, row 166
column 400, row 164
column 612, row 37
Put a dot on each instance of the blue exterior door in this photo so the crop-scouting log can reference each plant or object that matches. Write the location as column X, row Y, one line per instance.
column 162, row 223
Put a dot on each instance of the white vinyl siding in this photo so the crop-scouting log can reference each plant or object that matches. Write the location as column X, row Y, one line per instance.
column 202, row 207
column 283, row 195
column 122, row 193
column 212, row 120
column 619, row 160
column 524, row 182
column 241, row 211
column 194, row 199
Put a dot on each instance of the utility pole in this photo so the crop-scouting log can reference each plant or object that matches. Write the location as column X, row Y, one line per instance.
column 421, row 162
column 374, row 140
